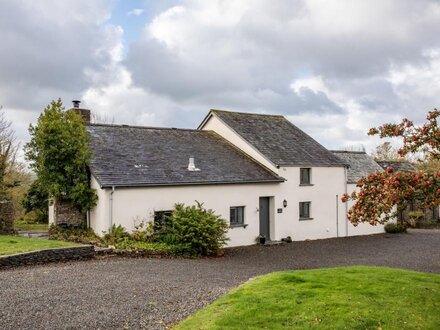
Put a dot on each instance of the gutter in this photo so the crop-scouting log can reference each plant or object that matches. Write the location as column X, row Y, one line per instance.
column 141, row 185
column 111, row 209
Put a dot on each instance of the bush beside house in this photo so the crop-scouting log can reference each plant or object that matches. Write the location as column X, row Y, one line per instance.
column 190, row 231
column 198, row 230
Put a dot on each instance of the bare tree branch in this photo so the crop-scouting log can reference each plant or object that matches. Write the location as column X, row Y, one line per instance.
column 8, row 151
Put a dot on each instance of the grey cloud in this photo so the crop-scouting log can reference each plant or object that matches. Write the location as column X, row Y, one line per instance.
column 271, row 44
column 156, row 68
column 63, row 48
column 46, row 48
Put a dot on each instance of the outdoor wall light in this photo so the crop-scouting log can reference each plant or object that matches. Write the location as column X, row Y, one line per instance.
column 284, row 203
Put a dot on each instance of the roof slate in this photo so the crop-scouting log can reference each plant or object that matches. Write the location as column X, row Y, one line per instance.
column 360, row 164
column 278, row 139
column 142, row 156
column 397, row 165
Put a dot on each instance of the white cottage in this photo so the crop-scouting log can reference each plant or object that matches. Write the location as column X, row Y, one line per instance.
column 259, row 172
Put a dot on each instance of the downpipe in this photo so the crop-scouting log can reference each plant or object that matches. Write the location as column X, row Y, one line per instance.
column 346, row 203
column 337, row 215
column 111, row 209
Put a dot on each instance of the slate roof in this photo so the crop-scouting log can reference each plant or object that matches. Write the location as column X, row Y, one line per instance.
column 360, row 164
column 278, row 139
column 143, row 156
column 397, row 165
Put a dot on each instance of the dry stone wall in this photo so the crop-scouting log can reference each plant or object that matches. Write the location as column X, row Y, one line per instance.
column 65, row 213
column 46, row 256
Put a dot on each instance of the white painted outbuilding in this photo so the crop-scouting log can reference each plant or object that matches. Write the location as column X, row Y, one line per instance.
column 259, row 172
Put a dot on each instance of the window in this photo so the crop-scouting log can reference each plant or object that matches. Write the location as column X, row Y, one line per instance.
column 160, row 218
column 236, row 217
column 304, row 210
column 305, row 177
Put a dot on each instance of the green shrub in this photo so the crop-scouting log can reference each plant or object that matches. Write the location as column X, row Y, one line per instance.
column 143, row 232
column 130, row 247
column 194, row 229
column 414, row 218
column 36, row 200
column 77, row 234
column 393, row 228
column 116, row 234
column 416, row 215
column 129, row 244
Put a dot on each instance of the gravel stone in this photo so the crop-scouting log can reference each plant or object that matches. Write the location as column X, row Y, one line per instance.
column 128, row 293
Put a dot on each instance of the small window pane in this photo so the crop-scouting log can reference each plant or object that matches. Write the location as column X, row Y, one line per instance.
column 232, row 215
column 236, row 215
column 240, row 213
column 305, row 175
column 304, row 210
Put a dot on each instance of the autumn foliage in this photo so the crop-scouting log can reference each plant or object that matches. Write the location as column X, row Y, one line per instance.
column 381, row 192
column 424, row 139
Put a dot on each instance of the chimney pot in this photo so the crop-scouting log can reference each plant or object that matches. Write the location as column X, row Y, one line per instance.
column 76, row 103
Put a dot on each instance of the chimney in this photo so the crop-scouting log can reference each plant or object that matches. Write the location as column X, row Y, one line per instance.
column 76, row 103
column 85, row 113
column 191, row 165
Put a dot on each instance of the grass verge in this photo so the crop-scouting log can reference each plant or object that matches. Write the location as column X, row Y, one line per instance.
column 334, row 298
column 22, row 226
column 13, row 244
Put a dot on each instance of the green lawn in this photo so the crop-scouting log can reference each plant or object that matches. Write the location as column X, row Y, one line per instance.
column 334, row 298
column 13, row 244
column 31, row 226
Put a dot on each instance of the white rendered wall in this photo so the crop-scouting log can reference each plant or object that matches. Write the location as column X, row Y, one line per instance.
column 362, row 228
column 132, row 205
column 327, row 210
column 99, row 215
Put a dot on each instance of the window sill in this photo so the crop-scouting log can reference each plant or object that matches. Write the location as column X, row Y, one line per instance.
column 306, row 184
column 305, row 219
column 238, row 226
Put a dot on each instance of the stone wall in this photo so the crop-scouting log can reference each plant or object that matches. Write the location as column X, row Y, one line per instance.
column 45, row 256
column 6, row 217
column 65, row 213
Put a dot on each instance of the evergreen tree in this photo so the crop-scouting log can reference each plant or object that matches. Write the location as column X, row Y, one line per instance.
column 59, row 154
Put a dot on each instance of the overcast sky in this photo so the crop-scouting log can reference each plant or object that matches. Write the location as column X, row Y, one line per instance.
column 334, row 68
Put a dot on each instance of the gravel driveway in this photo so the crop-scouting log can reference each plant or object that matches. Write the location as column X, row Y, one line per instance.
column 117, row 293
